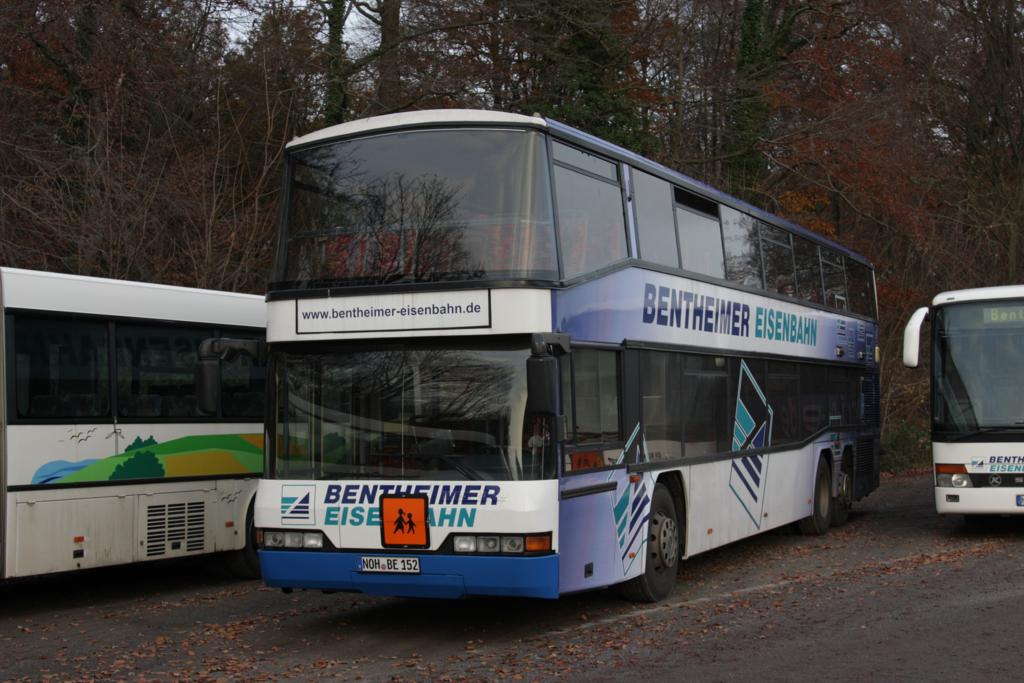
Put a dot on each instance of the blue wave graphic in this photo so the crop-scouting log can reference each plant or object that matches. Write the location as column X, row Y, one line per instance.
column 57, row 469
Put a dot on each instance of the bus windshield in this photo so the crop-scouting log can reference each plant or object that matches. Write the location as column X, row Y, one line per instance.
column 979, row 367
column 419, row 206
column 407, row 413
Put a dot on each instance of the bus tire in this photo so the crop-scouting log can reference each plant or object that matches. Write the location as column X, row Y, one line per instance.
column 662, row 551
column 818, row 521
column 245, row 563
column 842, row 503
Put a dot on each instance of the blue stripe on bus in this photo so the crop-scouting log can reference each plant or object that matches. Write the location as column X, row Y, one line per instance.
column 639, row 531
column 744, row 480
column 637, row 518
column 754, row 474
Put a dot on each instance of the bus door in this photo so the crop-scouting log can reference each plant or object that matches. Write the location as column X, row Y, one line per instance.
column 602, row 513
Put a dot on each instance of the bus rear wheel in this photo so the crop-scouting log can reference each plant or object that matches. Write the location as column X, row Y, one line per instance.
column 818, row 522
column 662, row 550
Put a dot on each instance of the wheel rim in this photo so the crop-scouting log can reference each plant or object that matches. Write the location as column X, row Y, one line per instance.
column 664, row 541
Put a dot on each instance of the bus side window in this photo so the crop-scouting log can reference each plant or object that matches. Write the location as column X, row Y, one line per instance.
column 243, row 383
column 652, row 200
column 861, row 288
column 782, row 386
column 156, row 370
column 808, row 270
column 779, row 265
column 742, row 252
column 591, row 223
column 597, row 430
column 660, row 388
column 835, row 279
column 61, row 368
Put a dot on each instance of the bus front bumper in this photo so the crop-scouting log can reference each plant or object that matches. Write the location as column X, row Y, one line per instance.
column 441, row 576
column 988, row 500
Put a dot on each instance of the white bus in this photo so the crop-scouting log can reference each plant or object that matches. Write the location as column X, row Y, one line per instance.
column 509, row 358
column 104, row 458
column 977, row 397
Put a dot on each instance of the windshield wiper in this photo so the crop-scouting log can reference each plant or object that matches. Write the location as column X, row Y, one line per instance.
column 460, row 468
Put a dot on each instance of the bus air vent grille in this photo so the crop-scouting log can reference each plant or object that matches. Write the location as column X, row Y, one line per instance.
column 176, row 527
column 864, row 458
column 866, row 466
column 869, row 389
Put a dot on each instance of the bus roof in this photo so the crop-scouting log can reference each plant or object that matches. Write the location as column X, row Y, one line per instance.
column 475, row 117
column 412, row 119
column 35, row 290
column 979, row 294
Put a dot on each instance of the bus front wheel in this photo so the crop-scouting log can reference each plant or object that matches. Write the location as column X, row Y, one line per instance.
column 842, row 503
column 245, row 563
column 662, row 551
column 820, row 518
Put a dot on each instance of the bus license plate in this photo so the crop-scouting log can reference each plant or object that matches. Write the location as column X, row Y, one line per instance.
column 1020, row 501
column 390, row 565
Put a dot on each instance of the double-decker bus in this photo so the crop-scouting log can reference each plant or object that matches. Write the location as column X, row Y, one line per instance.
column 104, row 457
column 977, row 404
column 509, row 358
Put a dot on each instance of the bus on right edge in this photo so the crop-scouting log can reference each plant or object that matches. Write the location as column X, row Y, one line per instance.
column 976, row 398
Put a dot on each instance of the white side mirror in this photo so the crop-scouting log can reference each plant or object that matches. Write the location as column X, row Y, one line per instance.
column 912, row 338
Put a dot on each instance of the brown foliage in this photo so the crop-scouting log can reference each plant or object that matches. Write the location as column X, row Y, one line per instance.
column 142, row 139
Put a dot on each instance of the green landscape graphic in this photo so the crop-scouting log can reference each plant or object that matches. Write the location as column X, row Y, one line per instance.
column 204, row 455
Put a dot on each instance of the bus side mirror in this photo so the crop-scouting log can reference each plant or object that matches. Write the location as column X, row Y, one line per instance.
column 211, row 353
column 208, row 384
column 541, row 385
column 912, row 338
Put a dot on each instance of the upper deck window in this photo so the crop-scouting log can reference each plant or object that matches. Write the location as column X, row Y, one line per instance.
column 832, row 268
column 779, row 267
column 808, row 270
column 742, row 250
column 586, row 161
column 861, row 288
column 700, row 234
column 420, row 206
column 652, row 199
column 591, row 222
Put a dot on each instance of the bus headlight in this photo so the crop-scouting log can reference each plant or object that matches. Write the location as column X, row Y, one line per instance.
column 465, row 544
column 274, row 538
column 511, row 544
column 487, row 544
column 961, row 481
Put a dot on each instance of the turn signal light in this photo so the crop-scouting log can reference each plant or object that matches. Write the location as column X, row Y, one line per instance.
column 538, row 543
column 950, row 469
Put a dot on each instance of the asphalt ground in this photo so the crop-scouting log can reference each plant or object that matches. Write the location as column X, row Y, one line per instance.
column 898, row 593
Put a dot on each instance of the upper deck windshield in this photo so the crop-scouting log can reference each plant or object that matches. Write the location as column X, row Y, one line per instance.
column 407, row 413
column 979, row 367
column 419, row 206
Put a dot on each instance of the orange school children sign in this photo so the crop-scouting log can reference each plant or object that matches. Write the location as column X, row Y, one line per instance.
column 403, row 521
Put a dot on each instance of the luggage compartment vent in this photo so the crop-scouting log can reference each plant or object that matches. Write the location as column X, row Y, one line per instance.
column 175, row 528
